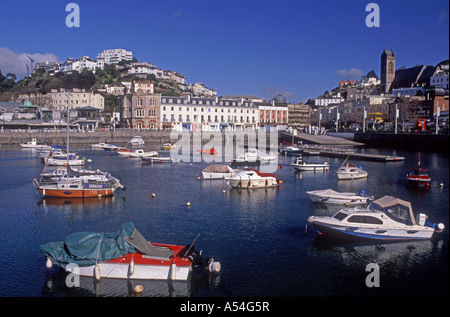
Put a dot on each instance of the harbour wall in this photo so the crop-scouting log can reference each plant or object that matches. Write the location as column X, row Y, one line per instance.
column 419, row 142
column 118, row 137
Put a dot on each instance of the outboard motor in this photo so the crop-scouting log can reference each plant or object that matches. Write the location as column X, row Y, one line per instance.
column 198, row 261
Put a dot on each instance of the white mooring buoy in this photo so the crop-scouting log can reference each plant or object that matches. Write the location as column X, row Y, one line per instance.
column 138, row 289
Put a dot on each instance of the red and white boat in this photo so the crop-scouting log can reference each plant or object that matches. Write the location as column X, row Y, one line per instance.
column 418, row 177
column 125, row 254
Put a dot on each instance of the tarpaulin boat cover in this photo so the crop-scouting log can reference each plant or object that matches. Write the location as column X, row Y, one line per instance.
column 217, row 168
column 89, row 248
column 399, row 210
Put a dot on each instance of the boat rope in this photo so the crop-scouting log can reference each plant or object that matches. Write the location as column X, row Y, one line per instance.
column 98, row 248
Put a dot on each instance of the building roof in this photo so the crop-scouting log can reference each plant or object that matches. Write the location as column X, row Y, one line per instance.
column 416, row 75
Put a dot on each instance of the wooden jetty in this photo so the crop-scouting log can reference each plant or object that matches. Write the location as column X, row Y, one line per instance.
column 342, row 152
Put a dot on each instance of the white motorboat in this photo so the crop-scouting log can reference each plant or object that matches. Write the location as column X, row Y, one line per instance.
column 329, row 196
column 251, row 178
column 387, row 218
column 137, row 141
column 159, row 159
column 351, row 171
column 33, row 145
column 254, row 153
column 136, row 153
column 245, row 160
column 100, row 145
column 301, row 165
column 217, row 171
column 111, row 147
column 291, row 150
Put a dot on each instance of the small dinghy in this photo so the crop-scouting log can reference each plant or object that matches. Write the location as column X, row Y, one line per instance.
column 329, row 196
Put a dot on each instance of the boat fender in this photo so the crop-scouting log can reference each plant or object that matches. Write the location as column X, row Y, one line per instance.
column 131, row 268
column 49, row 263
column 97, row 272
column 439, row 227
column 214, row 267
column 173, row 271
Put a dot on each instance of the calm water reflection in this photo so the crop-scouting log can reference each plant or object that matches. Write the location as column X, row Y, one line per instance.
column 257, row 235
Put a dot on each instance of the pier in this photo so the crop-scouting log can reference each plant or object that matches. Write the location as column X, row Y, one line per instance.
column 344, row 153
column 323, row 139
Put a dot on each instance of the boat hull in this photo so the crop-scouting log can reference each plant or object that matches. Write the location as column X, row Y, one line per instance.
column 145, row 272
column 249, row 162
column 213, row 175
column 338, row 200
column 311, row 167
column 252, row 183
column 373, row 233
column 77, row 193
column 347, row 176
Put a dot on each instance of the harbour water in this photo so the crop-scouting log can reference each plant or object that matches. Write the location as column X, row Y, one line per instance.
column 258, row 235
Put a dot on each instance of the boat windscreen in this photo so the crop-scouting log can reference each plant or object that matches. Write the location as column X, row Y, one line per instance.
column 396, row 212
column 144, row 247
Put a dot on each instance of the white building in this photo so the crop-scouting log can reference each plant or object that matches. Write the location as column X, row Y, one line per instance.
column 199, row 89
column 78, row 64
column 440, row 79
column 207, row 114
column 142, row 68
column 325, row 101
column 113, row 56
column 84, row 62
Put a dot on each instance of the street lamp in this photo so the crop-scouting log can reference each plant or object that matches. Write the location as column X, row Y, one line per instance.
column 396, row 117
column 438, row 113
column 364, row 120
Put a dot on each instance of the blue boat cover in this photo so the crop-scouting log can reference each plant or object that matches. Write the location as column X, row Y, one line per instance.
column 89, row 248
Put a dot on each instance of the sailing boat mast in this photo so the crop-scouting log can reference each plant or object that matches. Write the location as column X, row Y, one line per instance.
column 68, row 120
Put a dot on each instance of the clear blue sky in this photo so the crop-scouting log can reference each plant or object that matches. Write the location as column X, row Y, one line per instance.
column 251, row 47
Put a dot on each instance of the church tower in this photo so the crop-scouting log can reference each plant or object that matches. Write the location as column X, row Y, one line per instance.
column 387, row 73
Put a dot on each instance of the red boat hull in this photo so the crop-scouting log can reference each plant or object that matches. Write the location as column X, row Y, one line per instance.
column 77, row 193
